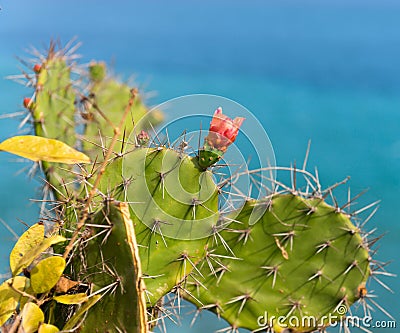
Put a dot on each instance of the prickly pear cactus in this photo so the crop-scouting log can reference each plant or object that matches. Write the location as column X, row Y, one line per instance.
column 141, row 220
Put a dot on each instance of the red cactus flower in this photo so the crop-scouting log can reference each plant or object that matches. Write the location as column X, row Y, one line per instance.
column 223, row 130
column 27, row 102
column 37, row 68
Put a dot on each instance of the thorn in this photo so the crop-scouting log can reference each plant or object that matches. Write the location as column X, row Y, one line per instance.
column 295, row 305
column 294, row 180
column 306, row 156
column 316, row 275
column 185, row 257
column 357, row 212
column 157, row 228
column 369, row 298
column 244, row 234
column 272, row 270
column 369, row 217
column 371, row 242
column 243, row 299
column 288, row 236
column 217, row 236
column 351, row 201
column 373, row 275
column 351, row 266
column 324, row 246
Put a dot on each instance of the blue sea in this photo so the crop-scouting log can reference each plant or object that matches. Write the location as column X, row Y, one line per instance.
column 325, row 71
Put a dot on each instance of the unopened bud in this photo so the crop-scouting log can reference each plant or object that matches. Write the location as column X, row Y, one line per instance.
column 27, row 103
column 37, row 68
column 143, row 138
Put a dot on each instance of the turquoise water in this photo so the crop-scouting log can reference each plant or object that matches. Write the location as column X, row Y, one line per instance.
column 326, row 72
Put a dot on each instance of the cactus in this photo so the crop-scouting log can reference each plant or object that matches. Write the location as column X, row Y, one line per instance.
column 302, row 258
column 290, row 254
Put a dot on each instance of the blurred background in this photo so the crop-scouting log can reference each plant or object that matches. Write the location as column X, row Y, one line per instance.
column 326, row 71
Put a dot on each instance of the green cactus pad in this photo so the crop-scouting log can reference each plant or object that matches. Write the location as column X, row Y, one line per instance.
column 54, row 111
column 174, row 205
column 106, row 104
column 54, row 114
column 302, row 258
column 113, row 269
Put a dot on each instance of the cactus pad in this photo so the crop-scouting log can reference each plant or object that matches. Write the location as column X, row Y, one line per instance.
column 303, row 258
column 53, row 113
column 113, row 269
column 104, row 107
column 175, row 206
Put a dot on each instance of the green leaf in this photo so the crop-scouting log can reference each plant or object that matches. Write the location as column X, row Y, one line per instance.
column 79, row 314
column 32, row 317
column 46, row 274
column 28, row 240
column 9, row 298
column 71, row 299
column 47, row 328
column 37, row 148
column 35, row 252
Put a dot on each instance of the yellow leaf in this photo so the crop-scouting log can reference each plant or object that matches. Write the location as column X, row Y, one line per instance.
column 37, row 148
column 47, row 328
column 28, row 240
column 71, row 299
column 35, row 252
column 32, row 317
column 74, row 320
column 46, row 274
column 9, row 298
